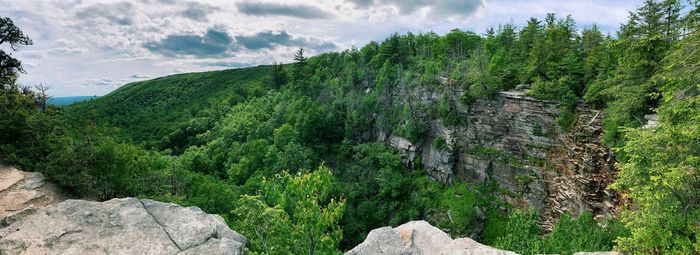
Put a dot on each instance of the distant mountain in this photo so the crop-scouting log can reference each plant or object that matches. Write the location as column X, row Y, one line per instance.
column 68, row 100
column 149, row 110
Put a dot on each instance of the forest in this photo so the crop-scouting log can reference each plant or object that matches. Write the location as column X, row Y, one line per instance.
column 285, row 154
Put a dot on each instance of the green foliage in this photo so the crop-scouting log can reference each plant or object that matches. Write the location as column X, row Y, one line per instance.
column 561, row 90
column 314, row 214
column 461, row 207
column 467, row 98
column 148, row 111
column 379, row 191
column 659, row 167
column 520, row 232
column 448, row 112
column 13, row 38
column 267, row 227
column 439, row 143
column 581, row 234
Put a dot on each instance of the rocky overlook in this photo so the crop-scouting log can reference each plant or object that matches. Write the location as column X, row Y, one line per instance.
column 34, row 224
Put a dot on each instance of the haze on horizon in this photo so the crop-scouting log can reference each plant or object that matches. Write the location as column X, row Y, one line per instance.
column 94, row 47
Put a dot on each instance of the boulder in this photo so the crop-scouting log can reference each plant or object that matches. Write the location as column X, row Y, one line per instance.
column 33, row 180
column 420, row 238
column 121, row 226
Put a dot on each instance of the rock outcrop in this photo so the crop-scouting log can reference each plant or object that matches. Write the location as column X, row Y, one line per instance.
column 121, row 226
column 420, row 238
column 23, row 193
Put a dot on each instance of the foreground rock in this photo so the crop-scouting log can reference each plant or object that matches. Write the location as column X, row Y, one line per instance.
column 121, row 226
column 23, row 193
column 421, row 238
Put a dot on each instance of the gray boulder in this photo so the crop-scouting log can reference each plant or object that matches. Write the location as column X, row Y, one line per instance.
column 420, row 238
column 121, row 226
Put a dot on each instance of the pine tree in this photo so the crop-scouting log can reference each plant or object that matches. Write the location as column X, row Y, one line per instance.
column 279, row 76
column 300, row 75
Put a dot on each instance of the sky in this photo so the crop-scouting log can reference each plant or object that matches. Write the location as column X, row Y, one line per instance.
column 86, row 47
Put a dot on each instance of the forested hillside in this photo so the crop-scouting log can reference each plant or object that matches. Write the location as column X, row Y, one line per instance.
column 288, row 154
column 160, row 109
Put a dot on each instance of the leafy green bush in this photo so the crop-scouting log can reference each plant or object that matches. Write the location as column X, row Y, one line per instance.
column 520, row 232
column 439, row 143
column 460, row 207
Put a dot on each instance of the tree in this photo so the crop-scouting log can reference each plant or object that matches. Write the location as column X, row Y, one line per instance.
column 313, row 215
column 9, row 66
column 659, row 167
column 531, row 52
column 300, row 62
column 279, row 76
column 267, row 227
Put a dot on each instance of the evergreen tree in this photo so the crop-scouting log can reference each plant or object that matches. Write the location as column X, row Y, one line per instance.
column 279, row 76
column 300, row 74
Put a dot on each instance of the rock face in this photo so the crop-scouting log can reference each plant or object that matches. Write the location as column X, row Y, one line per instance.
column 121, row 226
column 515, row 141
column 419, row 238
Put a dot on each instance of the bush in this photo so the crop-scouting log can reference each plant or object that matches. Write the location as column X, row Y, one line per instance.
column 460, row 206
column 439, row 143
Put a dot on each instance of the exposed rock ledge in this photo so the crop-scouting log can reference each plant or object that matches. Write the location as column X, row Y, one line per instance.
column 120, row 226
column 421, row 238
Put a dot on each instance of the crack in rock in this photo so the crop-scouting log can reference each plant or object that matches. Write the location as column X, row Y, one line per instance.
column 161, row 225
column 213, row 235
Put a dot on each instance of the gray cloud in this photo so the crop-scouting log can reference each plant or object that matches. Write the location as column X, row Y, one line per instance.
column 67, row 51
column 227, row 64
column 139, row 76
column 438, row 8
column 119, row 13
column 197, row 11
column 213, row 43
column 274, row 9
column 271, row 39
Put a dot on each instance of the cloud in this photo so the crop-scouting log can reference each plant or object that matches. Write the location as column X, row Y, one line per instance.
column 67, row 51
column 272, row 39
column 227, row 64
column 437, row 8
column 213, row 43
column 274, row 9
column 118, row 13
column 139, row 76
column 197, row 11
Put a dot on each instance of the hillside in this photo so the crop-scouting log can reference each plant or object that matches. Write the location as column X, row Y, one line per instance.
column 153, row 109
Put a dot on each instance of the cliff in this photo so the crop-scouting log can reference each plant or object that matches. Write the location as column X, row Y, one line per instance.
column 514, row 141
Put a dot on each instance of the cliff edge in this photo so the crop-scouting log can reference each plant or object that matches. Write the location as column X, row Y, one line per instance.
column 36, row 218
column 121, row 226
